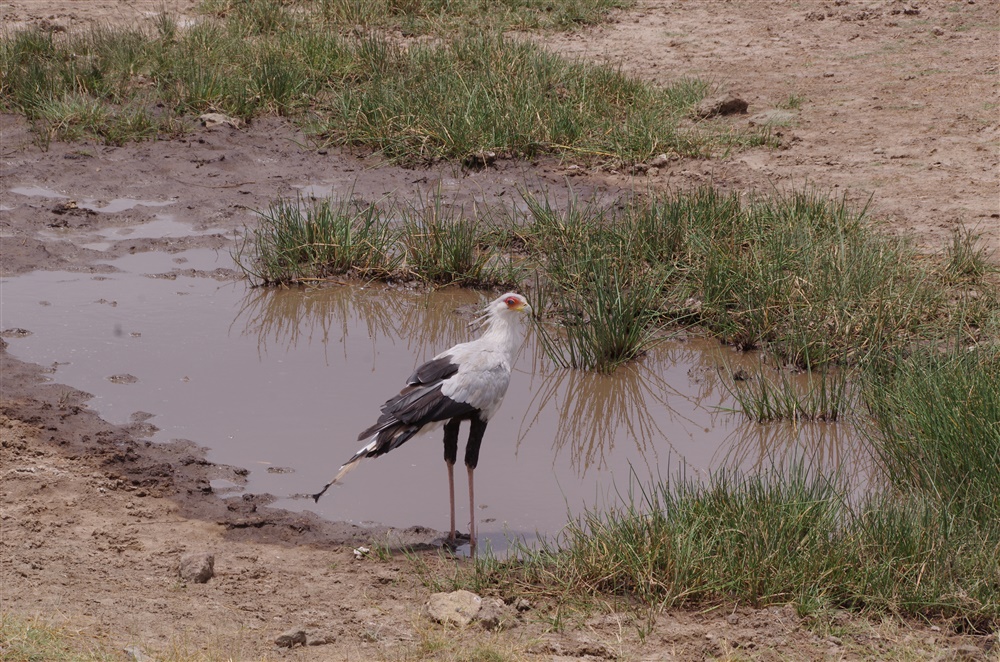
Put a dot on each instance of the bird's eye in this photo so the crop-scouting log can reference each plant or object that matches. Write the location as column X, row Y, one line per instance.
column 510, row 301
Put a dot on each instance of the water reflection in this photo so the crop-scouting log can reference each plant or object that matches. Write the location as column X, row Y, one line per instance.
column 287, row 317
column 673, row 402
column 593, row 410
column 756, row 446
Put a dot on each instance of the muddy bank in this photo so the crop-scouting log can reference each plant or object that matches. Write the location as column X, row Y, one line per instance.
column 177, row 471
column 62, row 202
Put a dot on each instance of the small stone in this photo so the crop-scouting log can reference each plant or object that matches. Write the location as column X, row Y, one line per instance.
column 456, row 608
column 291, row 638
column 321, row 640
column 480, row 160
column 772, row 118
column 721, row 105
column 209, row 120
column 522, row 604
column 733, row 619
column 493, row 615
column 659, row 161
column 197, row 568
column 937, row 32
column 136, row 654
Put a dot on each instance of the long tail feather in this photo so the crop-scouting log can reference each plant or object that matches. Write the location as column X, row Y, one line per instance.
column 346, row 467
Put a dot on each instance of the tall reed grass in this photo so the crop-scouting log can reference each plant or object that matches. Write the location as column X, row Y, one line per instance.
column 807, row 278
column 445, row 247
column 936, row 426
column 775, row 394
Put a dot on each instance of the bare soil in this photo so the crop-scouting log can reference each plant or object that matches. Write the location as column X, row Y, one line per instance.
column 897, row 101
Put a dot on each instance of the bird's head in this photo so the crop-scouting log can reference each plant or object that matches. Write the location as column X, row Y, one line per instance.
column 510, row 303
column 507, row 307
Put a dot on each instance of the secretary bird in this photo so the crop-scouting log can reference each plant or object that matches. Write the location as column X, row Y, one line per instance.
column 464, row 383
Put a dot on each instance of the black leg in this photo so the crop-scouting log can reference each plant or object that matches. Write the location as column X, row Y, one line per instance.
column 450, row 455
column 451, row 440
column 476, row 432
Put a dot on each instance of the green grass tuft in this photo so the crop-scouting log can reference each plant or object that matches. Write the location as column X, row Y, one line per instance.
column 445, row 247
column 300, row 240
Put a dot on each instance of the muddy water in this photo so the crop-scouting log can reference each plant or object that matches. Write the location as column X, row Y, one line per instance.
column 281, row 382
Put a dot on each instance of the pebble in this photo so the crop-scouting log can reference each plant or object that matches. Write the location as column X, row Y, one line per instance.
column 197, row 567
column 291, row 638
column 722, row 105
column 457, row 607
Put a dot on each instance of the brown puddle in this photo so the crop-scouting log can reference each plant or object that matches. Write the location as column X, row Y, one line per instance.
column 281, row 381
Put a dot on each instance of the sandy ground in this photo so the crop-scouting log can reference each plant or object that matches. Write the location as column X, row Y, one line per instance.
column 899, row 101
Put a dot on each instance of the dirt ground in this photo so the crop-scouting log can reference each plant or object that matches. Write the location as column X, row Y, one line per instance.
column 895, row 100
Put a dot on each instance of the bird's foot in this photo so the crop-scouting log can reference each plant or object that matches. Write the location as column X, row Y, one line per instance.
column 453, row 542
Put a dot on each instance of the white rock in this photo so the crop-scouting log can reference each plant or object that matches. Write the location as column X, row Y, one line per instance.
column 457, row 607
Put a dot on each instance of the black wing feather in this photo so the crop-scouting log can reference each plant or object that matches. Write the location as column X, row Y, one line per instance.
column 419, row 403
column 435, row 370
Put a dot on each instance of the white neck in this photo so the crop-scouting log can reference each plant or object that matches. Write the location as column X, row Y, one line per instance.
column 503, row 331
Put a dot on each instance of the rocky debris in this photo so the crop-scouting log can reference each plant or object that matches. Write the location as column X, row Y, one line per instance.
column 774, row 117
column 496, row 615
column 210, row 120
column 124, row 378
column 479, row 160
column 455, row 608
column 566, row 646
column 72, row 208
column 522, row 604
column 722, row 105
column 291, row 638
column 15, row 333
column 136, row 654
column 197, row 567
